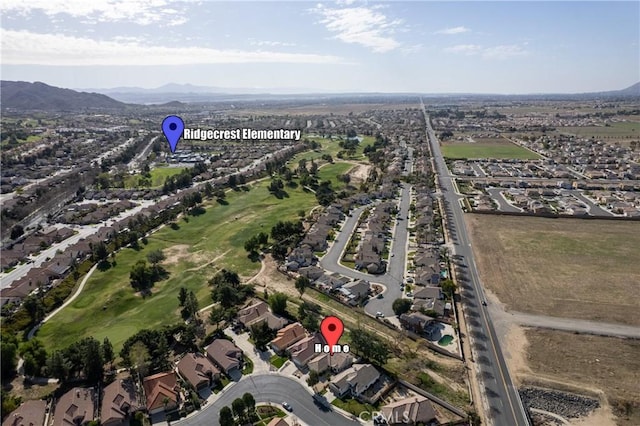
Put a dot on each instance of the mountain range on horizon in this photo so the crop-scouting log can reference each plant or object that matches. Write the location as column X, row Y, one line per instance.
column 40, row 96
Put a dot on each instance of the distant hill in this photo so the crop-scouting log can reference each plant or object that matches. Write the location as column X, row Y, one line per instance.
column 633, row 90
column 39, row 96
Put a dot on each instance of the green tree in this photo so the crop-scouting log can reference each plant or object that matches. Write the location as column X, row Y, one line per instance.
column 107, row 351
column 225, row 417
column 448, row 287
column 261, row 334
column 239, row 409
column 58, row 366
column 139, row 355
column 99, row 252
column 278, row 303
column 369, row 346
column 216, row 316
column 401, row 306
column 302, row 283
column 314, row 378
column 249, row 402
column 140, row 276
column 155, row 257
column 252, row 245
column 8, row 352
column 16, row 231
column 182, row 296
column 34, row 355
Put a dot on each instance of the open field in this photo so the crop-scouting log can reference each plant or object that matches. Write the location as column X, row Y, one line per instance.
column 593, row 363
column 486, row 148
column 568, row 268
column 158, row 176
column 623, row 132
column 325, row 108
column 109, row 307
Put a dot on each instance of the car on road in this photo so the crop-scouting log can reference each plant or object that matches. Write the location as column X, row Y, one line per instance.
column 379, row 314
column 409, row 294
column 287, row 406
column 393, row 254
column 484, row 303
column 379, row 296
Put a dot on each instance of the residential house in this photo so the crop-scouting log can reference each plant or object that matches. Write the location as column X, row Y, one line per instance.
column 354, row 381
column 304, row 350
column 258, row 312
column 30, row 413
column 225, row 354
column 196, row 369
column 337, row 362
column 409, row 411
column 161, row 391
column 119, row 401
column 287, row 336
column 359, row 288
column 415, row 322
column 75, row 407
column 311, row 272
column 302, row 256
column 278, row 421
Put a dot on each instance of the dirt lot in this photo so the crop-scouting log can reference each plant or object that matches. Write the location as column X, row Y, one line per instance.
column 593, row 363
column 568, row 268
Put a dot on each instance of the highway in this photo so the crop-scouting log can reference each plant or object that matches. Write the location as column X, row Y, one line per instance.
column 271, row 388
column 504, row 406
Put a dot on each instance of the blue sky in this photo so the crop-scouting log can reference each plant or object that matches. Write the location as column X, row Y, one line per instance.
column 344, row 46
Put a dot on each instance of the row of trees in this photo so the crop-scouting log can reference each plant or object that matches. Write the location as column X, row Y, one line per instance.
column 242, row 411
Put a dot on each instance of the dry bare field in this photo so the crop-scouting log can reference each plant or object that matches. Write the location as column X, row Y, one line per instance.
column 594, row 363
column 568, row 268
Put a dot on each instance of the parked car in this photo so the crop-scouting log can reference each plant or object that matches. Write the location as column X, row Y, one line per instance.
column 379, row 314
column 287, row 406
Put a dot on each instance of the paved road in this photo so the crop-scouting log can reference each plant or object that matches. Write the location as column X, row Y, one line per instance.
column 569, row 324
column 503, row 205
column 83, row 232
column 270, row 388
column 395, row 269
column 504, row 405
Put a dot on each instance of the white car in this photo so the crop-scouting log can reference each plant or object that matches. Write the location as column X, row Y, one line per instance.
column 379, row 314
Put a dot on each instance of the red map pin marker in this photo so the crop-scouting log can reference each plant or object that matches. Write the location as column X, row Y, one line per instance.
column 331, row 329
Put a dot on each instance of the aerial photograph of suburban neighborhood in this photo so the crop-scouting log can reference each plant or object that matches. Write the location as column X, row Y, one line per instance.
column 333, row 213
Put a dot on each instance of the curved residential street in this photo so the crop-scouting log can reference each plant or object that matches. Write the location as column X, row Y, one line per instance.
column 395, row 268
column 270, row 388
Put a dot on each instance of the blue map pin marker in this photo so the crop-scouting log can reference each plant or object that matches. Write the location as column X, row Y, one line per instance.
column 172, row 127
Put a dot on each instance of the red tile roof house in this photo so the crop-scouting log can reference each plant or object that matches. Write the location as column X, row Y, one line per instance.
column 75, row 407
column 119, row 402
column 31, row 413
column 196, row 369
column 225, row 354
column 288, row 336
column 157, row 388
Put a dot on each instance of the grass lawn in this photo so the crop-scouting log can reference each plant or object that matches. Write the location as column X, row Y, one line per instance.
column 616, row 131
column 277, row 361
column 267, row 413
column 158, row 176
column 330, row 171
column 109, row 307
column 220, row 384
column 354, row 407
column 497, row 150
column 248, row 366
